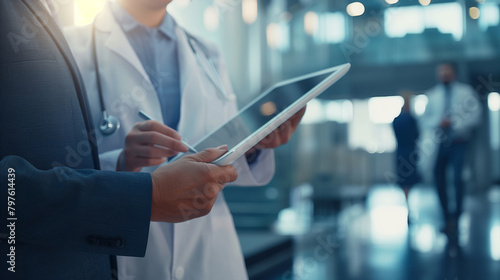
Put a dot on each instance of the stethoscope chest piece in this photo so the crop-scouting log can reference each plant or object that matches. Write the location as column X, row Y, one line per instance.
column 109, row 124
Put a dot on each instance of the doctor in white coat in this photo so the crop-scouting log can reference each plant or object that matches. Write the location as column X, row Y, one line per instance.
column 452, row 113
column 207, row 247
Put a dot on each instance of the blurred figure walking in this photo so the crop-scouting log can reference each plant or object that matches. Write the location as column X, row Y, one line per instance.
column 453, row 111
column 406, row 131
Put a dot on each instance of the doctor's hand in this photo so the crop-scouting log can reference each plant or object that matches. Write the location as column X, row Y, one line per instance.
column 187, row 188
column 281, row 135
column 149, row 143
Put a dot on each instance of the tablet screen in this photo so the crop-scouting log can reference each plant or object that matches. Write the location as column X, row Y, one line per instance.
column 260, row 112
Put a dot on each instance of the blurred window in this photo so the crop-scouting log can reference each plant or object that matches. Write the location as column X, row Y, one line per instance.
column 332, row 28
column 447, row 18
column 319, row 111
column 384, row 109
column 489, row 15
column 371, row 126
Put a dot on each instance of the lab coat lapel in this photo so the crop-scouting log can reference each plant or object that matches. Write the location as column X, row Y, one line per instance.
column 117, row 41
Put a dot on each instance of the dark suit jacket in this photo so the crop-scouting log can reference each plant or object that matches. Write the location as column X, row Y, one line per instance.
column 70, row 217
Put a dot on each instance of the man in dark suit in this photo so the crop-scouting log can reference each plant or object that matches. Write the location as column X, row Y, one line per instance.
column 62, row 218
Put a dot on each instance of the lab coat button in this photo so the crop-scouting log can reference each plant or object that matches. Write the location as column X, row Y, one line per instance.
column 179, row 273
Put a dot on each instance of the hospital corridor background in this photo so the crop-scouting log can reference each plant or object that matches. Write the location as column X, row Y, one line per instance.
column 335, row 209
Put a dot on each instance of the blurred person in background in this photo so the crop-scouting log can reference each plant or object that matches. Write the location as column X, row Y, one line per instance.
column 147, row 62
column 452, row 113
column 407, row 133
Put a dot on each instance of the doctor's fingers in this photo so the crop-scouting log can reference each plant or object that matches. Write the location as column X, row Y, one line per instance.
column 295, row 119
column 155, row 138
column 149, row 151
column 277, row 138
column 158, row 127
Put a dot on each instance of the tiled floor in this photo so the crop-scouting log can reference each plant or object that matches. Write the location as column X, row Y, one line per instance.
column 373, row 242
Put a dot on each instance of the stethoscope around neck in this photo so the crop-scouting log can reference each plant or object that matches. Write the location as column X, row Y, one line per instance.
column 109, row 124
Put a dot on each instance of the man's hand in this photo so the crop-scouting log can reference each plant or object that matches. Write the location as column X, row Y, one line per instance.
column 281, row 135
column 149, row 143
column 187, row 188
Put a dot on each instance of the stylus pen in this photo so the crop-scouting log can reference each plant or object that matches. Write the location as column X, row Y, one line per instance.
column 149, row 118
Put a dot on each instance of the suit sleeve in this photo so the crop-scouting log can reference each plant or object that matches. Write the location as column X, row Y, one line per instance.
column 84, row 210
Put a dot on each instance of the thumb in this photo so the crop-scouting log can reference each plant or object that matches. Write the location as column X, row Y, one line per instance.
column 209, row 155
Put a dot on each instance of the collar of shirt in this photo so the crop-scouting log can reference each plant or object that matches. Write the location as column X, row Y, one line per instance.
column 129, row 23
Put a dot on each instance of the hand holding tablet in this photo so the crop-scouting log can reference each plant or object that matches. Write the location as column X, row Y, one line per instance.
column 268, row 112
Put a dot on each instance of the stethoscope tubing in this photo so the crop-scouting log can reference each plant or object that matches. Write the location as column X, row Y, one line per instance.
column 109, row 124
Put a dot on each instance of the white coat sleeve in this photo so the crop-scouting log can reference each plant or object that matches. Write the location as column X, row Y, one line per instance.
column 468, row 114
column 259, row 173
column 109, row 159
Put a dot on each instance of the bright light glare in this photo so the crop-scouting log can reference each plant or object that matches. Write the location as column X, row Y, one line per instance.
column 494, row 101
column 420, row 103
column 490, row 15
column 424, row 238
column 474, row 12
column 86, row 10
column 314, row 112
column 495, row 242
column 339, row 111
column 388, row 215
column 355, row 9
column 390, row 2
column 311, row 23
column 384, row 109
column 277, row 35
column 424, row 2
column 332, row 28
column 446, row 17
column 211, row 18
column 389, row 224
column 249, row 10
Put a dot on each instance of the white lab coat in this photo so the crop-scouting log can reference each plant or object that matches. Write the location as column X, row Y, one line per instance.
column 203, row 248
column 465, row 115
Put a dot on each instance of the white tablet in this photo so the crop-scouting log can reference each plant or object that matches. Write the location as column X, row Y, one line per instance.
column 267, row 112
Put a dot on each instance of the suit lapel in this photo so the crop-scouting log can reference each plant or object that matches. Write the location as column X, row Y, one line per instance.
column 55, row 32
